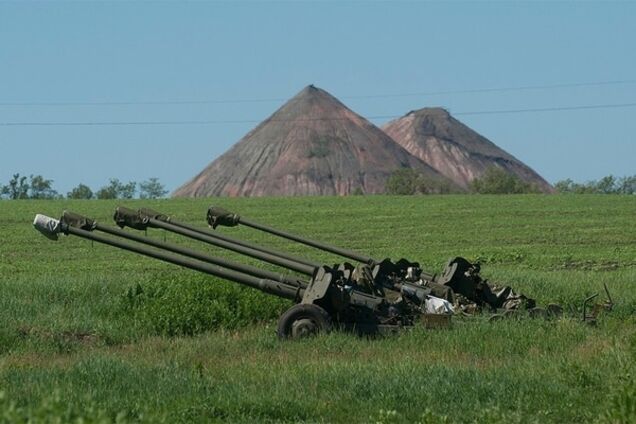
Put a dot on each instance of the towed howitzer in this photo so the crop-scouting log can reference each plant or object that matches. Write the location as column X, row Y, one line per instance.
column 371, row 297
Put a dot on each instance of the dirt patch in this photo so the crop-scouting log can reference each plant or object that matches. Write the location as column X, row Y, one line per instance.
column 591, row 348
column 84, row 337
column 592, row 265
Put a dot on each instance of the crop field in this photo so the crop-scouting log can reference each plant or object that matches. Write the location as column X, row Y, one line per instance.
column 89, row 333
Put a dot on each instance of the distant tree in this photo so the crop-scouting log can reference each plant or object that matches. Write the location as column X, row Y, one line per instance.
column 117, row 190
column 584, row 188
column 41, row 188
column 152, row 189
column 497, row 181
column 606, row 185
column 18, row 188
column 37, row 187
column 433, row 185
column 358, row 191
column 407, row 181
column 127, row 191
column 564, row 186
column 569, row 186
column 627, row 185
column 402, row 182
column 80, row 192
column 106, row 192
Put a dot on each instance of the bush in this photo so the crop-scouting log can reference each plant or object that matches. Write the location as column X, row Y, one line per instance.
column 80, row 192
column 407, row 181
column 606, row 185
column 498, row 181
column 197, row 305
column 402, row 182
column 117, row 190
column 320, row 148
column 152, row 189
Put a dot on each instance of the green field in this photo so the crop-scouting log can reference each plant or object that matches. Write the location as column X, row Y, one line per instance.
column 91, row 333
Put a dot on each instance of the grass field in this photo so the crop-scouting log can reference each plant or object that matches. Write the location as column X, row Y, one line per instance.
column 90, row 333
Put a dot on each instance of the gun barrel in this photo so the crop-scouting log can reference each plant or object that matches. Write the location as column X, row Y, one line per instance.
column 219, row 216
column 269, row 286
column 252, row 246
column 247, row 269
column 144, row 218
column 140, row 219
column 247, row 251
column 313, row 243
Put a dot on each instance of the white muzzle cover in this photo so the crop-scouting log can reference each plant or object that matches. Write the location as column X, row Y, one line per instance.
column 48, row 226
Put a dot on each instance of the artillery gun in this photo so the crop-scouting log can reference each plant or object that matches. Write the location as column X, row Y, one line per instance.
column 370, row 297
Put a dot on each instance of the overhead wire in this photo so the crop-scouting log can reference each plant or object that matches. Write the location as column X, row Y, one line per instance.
column 250, row 121
column 497, row 89
column 548, row 109
column 267, row 100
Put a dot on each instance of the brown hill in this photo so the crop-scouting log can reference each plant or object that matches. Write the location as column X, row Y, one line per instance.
column 312, row 145
column 453, row 149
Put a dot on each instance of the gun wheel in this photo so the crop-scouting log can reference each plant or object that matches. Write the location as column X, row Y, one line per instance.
column 303, row 320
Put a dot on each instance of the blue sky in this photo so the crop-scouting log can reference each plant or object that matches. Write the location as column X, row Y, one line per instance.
column 136, row 52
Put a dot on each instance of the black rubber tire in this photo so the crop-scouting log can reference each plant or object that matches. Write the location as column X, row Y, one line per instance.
column 537, row 313
column 314, row 317
column 554, row 311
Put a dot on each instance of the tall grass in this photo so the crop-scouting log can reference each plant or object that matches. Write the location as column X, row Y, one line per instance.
column 92, row 334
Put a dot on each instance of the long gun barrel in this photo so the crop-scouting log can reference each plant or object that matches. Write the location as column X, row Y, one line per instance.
column 218, row 216
column 141, row 220
column 51, row 227
column 153, row 214
column 84, row 223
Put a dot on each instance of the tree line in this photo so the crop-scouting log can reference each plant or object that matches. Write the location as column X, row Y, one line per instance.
column 38, row 187
column 606, row 185
column 496, row 180
column 402, row 182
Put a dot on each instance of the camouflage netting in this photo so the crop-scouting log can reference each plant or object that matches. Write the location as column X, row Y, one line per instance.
column 77, row 221
column 125, row 217
column 219, row 216
column 150, row 213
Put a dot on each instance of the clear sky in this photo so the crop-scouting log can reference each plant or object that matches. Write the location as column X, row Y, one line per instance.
column 152, row 55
